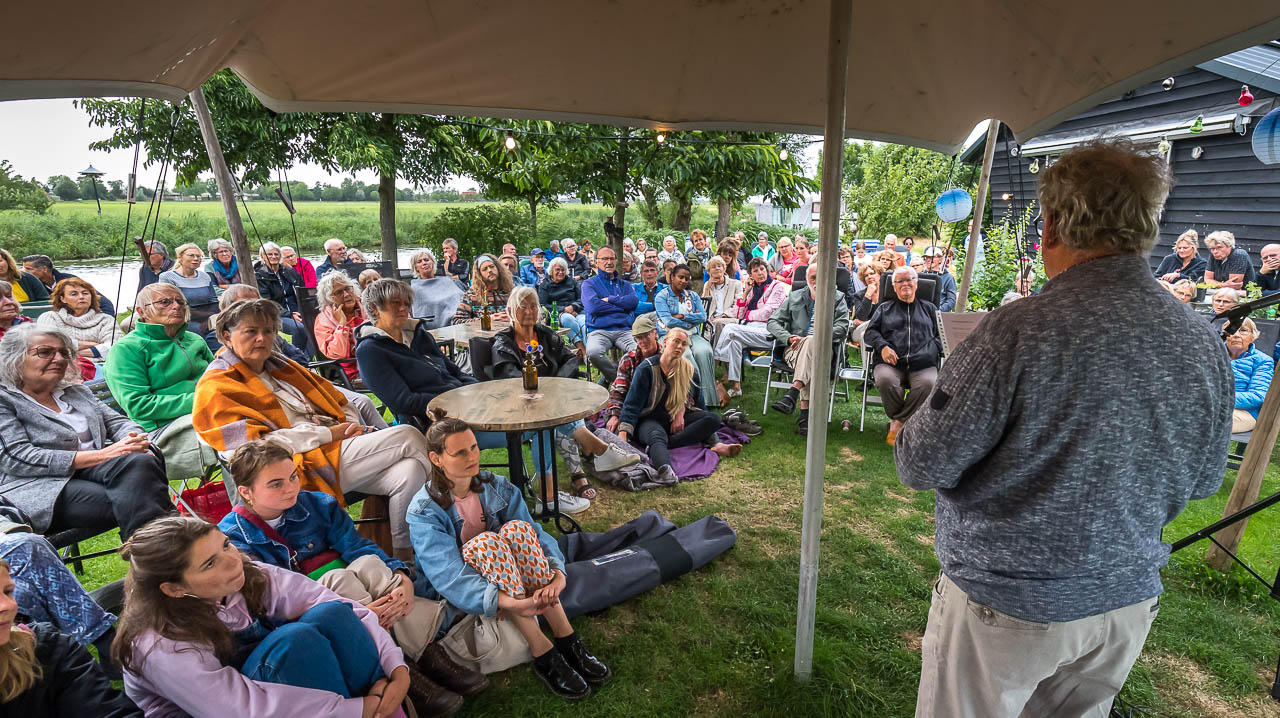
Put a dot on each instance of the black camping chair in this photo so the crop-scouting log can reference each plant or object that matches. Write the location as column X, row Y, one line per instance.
column 332, row 369
column 926, row 288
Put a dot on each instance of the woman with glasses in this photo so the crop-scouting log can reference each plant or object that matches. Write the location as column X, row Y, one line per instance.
column 66, row 459
column 340, row 314
column 222, row 265
column 197, row 286
column 152, row 372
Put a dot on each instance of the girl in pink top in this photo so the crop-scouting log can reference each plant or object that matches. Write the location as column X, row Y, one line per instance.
column 207, row 632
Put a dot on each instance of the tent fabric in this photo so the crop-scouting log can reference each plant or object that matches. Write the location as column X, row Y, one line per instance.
column 922, row 73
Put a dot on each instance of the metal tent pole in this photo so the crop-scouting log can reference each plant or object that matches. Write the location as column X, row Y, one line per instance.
column 839, row 31
column 979, row 209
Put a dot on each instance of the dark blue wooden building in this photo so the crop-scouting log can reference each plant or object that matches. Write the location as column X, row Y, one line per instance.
column 1220, row 183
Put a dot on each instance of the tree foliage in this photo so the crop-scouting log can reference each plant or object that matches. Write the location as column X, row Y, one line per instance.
column 19, row 193
column 893, row 188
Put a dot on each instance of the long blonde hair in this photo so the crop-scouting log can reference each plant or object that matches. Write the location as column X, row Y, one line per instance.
column 19, row 669
column 678, row 381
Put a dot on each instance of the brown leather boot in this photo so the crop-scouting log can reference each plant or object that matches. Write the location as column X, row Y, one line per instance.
column 430, row 700
column 439, row 667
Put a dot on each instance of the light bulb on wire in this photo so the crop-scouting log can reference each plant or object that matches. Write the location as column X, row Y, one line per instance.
column 1246, row 97
column 783, row 155
column 510, row 142
column 660, row 138
column 1005, row 197
column 1164, row 146
column 1197, row 126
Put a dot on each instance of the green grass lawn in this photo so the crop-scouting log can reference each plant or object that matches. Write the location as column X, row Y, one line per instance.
column 258, row 208
column 719, row 642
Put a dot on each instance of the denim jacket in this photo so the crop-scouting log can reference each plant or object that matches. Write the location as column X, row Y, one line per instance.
column 666, row 304
column 316, row 523
column 437, row 544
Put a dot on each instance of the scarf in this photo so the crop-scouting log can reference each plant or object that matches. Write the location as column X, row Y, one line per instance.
column 229, row 273
column 233, row 406
column 757, row 291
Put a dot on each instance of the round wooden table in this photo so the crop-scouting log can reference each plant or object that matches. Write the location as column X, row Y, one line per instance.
column 503, row 405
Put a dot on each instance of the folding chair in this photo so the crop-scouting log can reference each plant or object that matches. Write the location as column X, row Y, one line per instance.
column 863, row 374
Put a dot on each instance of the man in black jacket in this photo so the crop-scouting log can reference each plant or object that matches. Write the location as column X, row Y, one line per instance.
column 902, row 337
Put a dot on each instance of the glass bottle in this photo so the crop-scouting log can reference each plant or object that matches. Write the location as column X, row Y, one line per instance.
column 486, row 320
column 529, row 373
column 555, row 317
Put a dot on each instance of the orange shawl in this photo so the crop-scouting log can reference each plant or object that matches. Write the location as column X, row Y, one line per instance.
column 233, row 406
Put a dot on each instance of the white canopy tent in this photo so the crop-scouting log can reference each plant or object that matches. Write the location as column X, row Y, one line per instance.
column 922, row 74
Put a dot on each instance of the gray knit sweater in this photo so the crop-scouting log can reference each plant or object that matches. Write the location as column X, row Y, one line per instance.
column 1063, row 434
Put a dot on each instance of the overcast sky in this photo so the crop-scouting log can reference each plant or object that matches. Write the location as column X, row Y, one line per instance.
column 42, row 138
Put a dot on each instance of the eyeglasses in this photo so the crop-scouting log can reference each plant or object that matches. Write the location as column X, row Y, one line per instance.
column 168, row 302
column 48, row 353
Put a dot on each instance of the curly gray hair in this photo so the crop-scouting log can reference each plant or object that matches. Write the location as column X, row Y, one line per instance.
column 16, row 341
column 558, row 262
column 328, row 286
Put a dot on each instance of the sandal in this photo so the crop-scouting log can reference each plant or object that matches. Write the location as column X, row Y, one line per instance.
column 582, row 488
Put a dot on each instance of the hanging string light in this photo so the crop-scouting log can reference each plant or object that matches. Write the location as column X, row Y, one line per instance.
column 783, row 155
column 1246, row 97
column 1164, row 146
column 510, row 142
column 1035, row 166
column 1197, row 125
column 661, row 138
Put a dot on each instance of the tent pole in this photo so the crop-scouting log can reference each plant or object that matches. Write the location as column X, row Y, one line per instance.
column 979, row 209
column 839, row 32
column 1248, row 483
column 226, row 189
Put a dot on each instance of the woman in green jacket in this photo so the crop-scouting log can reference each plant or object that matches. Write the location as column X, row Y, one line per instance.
column 152, row 373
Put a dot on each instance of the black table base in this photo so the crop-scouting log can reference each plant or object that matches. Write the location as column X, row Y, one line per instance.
column 515, row 463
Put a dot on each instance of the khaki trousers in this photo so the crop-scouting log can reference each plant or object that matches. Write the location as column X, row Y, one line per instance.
column 389, row 462
column 982, row 663
column 366, row 580
column 801, row 360
column 1242, row 421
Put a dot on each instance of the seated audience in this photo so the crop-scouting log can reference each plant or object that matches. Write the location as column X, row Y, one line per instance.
column 435, row 297
column 367, row 277
column 223, row 265
column 69, row 461
column 491, row 285
column 208, row 631
column 198, row 287
column 608, row 303
column 669, row 251
column 152, row 372
column 291, row 259
column 552, row 357
column 1268, row 276
column 340, row 313
column 1025, row 282
column 866, row 299
column 76, row 311
column 764, row 249
column 647, row 288
column 801, row 243
column 509, row 248
column 720, row 295
column 26, row 287
column 1229, row 265
column 250, row 391
column 728, row 252
column 628, row 269
column 651, row 255
column 887, row 260
column 553, row 250
column 663, row 409
column 155, row 261
column 844, row 255
column 308, row 532
column 1184, row 290
column 860, row 253
column 10, row 310
column 45, row 673
column 787, row 261
column 562, row 298
column 42, row 267
column 908, row 244
column 336, row 256
column 240, row 293
column 533, row 273
column 645, row 331
column 934, row 264
column 1223, row 299
column 1184, row 262
column 470, row 528
column 738, row 243
column 902, row 337
column 277, row 282
column 761, row 297
column 512, row 264
column 454, row 266
column 1253, row 371
column 793, row 326
column 356, row 256
column 667, row 266
column 579, row 264
column 679, row 306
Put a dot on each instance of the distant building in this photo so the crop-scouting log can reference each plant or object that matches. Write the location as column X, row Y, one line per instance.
column 803, row 217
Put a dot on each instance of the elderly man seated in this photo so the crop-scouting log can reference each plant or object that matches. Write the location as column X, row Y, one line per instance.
column 793, row 326
column 903, row 339
column 1269, row 272
column 1230, row 266
column 251, row 391
column 152, row 372
column 336, row 251
column 608, row 302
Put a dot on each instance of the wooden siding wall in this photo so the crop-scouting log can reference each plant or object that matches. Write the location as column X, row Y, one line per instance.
column 1227, row 188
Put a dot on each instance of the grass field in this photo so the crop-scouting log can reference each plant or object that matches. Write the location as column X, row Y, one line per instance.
column 719, row 642
column 258, row 208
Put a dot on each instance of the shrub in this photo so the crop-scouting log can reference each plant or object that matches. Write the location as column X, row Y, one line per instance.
column 482, row 228
column 1000, row 261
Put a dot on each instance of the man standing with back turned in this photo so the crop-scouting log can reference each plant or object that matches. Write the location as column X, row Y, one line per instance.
column 1048, row 525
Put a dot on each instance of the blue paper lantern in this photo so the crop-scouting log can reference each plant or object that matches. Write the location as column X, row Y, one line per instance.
column 1266, row 139
column 954, row 205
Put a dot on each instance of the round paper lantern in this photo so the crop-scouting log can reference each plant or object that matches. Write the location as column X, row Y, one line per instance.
column 954, row 205
column 1266, row 139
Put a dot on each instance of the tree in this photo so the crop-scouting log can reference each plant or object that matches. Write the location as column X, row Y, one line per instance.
column 64, row 187
column 535, row 173
column 18, row 193
column 898, row 187
column 88, row 186
column 116, row 189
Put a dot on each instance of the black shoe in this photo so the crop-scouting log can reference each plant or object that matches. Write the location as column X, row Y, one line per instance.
column 560, row 677
column 428, row 697
column 439, row 667
column 802, row 424
column 786, row 404
column 588, row 666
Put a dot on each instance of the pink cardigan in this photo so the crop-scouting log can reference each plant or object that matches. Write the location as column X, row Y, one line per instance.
column 308, row 272
column 773, row 297
column 187, row 679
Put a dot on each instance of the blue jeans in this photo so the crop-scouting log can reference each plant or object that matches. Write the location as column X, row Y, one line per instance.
column 46, row 591
column 297, row 333
column 576, row 326
column 327, row 648
column 542, row 460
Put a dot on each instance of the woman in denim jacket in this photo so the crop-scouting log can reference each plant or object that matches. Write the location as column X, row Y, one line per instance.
column 478, row 548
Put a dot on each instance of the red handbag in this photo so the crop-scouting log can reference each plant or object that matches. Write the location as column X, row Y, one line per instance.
column 209, row 501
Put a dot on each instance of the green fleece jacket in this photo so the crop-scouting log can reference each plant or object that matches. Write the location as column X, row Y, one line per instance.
column 154, row 376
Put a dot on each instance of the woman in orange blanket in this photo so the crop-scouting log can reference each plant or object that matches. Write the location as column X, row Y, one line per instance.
column 249, row 391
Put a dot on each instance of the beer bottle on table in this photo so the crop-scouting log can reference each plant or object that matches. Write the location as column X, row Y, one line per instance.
column 529, row 372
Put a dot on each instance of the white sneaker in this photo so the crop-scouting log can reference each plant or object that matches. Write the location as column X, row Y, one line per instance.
column 614, row 458
column 569, row 504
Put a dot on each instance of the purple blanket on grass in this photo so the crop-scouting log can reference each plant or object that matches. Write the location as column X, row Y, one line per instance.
column 690, row 463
